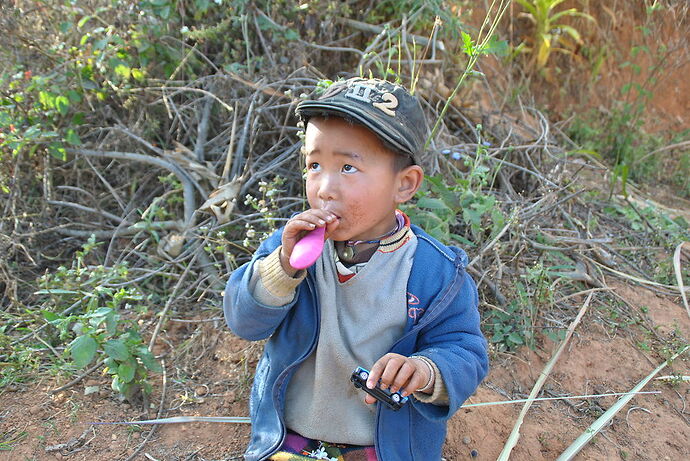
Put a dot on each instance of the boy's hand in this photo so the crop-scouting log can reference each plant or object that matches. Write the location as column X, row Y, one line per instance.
column 397, row 372
column 297, row 226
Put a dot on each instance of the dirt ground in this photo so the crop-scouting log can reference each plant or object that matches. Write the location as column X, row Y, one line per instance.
column 602, row 357
column 212, row 369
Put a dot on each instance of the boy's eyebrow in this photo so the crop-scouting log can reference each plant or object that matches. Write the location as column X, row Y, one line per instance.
column 352, row 155
column 344, row 153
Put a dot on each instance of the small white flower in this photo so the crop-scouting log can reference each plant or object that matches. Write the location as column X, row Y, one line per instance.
column 320, row 454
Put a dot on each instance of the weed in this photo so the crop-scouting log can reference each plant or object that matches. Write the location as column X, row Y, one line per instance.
column 102, row 329
column 21, row 361
column 267, row 206
column 618, row 134
column 661, row 229
column 10, row 438
column 681, row 176
column 509, row 327
column 550, row 35
column 458, row 209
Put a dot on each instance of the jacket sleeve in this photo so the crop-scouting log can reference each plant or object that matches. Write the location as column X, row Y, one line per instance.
column 456, row 345
column 246, row 316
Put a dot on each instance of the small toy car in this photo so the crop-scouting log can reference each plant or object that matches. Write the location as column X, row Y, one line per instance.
column 393, row 400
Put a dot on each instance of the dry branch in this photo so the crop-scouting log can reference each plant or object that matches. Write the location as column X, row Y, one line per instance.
column 515, row 434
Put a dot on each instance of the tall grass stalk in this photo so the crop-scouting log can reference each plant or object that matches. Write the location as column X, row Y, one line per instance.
column 515, row 434
column 604, row 419
column 474, row 53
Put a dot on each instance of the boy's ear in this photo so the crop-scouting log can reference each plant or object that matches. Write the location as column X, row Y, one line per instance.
column 409, row 181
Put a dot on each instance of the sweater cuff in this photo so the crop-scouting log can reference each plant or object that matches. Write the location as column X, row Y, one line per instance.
column 274, row 278
column 440, row 394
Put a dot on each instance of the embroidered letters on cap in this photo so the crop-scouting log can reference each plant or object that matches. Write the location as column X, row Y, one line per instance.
column 385, row 102
column 360, row 92
column 389, row 105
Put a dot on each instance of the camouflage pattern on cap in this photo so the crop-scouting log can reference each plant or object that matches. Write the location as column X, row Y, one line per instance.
column 387, row 109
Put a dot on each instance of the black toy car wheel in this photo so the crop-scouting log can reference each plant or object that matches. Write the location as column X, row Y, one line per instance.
column 363, row 375
column 395, row 397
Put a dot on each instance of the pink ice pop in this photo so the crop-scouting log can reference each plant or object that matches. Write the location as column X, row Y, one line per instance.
column 308, row 249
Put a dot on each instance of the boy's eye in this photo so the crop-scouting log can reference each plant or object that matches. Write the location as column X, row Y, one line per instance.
column 349, row 169
column 314, row 166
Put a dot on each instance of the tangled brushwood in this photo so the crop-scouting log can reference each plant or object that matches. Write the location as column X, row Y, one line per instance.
column 148, row 148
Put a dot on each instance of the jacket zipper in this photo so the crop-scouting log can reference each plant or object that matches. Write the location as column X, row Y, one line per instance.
column 420, row 325
column 285, row 372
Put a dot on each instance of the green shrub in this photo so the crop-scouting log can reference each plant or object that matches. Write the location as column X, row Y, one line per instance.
column 103, row 324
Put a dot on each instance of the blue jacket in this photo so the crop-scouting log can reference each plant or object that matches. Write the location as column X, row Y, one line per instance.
column 442, row 324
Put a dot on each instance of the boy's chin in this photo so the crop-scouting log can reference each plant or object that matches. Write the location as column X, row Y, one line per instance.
column 341, row 235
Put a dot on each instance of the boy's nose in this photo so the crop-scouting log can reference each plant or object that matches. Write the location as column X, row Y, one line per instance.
column 328, row 188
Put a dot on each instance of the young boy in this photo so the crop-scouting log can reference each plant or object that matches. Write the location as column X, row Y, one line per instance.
column 383, row 295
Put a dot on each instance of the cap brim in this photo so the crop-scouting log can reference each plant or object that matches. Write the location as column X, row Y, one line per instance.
column 314, row 108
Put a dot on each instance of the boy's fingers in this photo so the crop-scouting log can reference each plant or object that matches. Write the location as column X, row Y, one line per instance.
column 417, row 381
column 393, row 365
column 376, row 371
column 374, row 374
column 330, row 227
column 403, row 376
column 369, row 399
column 321, row 216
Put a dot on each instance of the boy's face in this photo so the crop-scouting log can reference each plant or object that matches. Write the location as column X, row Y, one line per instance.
column 351, row 174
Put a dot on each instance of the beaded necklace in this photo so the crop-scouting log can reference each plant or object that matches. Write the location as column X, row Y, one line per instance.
column 350, row 250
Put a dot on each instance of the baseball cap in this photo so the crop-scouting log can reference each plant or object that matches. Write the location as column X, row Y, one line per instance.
column 387, row 109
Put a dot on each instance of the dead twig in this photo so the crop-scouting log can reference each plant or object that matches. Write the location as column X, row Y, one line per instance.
column 79, row 378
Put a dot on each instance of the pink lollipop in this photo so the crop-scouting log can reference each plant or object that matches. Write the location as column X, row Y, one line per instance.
column 308, row 249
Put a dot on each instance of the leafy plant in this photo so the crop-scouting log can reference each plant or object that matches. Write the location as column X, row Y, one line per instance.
column 661, row 228
column 461, row 210
column 550, row 34
column 268, row 206
column 619, row 133
column 102, row 330
column 517, row 324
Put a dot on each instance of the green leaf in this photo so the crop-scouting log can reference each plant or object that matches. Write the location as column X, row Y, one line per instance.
column 515, row 338
column 149, row 360
column 78, row 118
column 62, row 104
column 138, row 75
column 83, row 21
column 117, row 385
column 83, row 350
column 467, row 45
column 58, row 151
column 291, row 34
column 72, row 138
column 432, row 203
column 123, row 71
column 126, row 371
column 116, row 349
column 49, row 316
column 73, row 96
column 46, row 99
column 497, row 337
column 112, row 365
column 497, row 47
